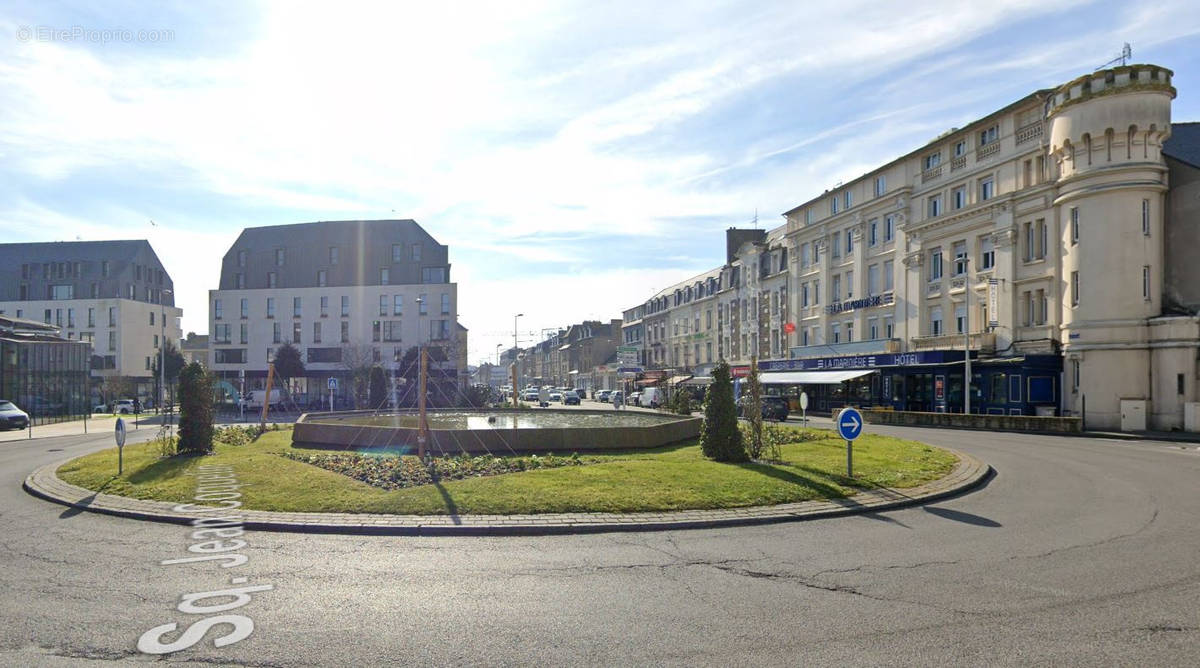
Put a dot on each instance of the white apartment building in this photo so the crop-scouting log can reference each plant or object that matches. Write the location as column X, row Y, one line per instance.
column 115, row 295
column 343, row 292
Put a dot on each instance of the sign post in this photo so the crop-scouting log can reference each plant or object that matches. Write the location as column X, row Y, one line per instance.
column 331, row 383
column 804, row 408
column 120, row 434
column 849, row 427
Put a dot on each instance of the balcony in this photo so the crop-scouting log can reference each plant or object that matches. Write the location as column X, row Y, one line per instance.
column 1029, row 132
column 934, row 288
column 958, row 163
column 931, row 174
column 987, row 151
column 984, row 342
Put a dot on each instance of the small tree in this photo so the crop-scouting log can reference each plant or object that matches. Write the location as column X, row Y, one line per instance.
column 754, row 412
column 288, row 365
column 195, row 410
column 720, row 438
column 358, row 360
column 174, row 364
column 377, row 394
column 681, row 401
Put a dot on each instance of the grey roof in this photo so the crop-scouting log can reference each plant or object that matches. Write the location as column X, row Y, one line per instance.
column 123, row 256
column 1184, row 143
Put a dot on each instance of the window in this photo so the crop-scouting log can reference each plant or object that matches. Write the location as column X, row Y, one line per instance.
column 808, row 217
column 935, row 264
column 804, row 338
column 1146, row 217
column 933, row 160
column 228, row 356
column 846, row 197
column 446, row 310
column 1043, row 307
column 62, row 292
column 889, row 228
column 889, row 326
column 91, row 317
column 1043, row 240
column 397, row 305
column 873, row 232
column 889, row 275
column 872, row 328
column 849, row 242
column 958, row 197
column 1075, row 288
column 989, row 135
column 1027, row 173
column 960, row 318
column 71, row 317
column 295, row 332
column 296, row 307
column 987, row 189
column 276, row 333
column 345, row 306
column 222, row 333
column 241, row 258
column 244, row 309
column 397, row 252
column 433, row 274
column 833, row 205
column 95, row 290
column 987, row 253
column 1075, row 225
column 239, row 278
column 817, row 292
column 935, row 206
column 391, row 330
column 279, row 255
column 112, row 340
column 112, row 314
column 960, row 148
column 244, row 334
column 872, row 281
column 383, row 304
column 316, row 331
column 345, row 331
column 804, row 295
column 935, row 321
column 836, row 293
column 804, row 257
column 837, row 244
column 960, row 258
column 333, row 255
column 439, row 330
column 416, row 252
column 423, row 304
column 272, row 279
column 321, row 275
column 1075, row 375
column 835, row 333
column 1146, row 282
column 218, row 312
column 1027, row 304
column 849, row 332
column 324, row 306
column 880, row 185
column 850, row 285
column 383, row 276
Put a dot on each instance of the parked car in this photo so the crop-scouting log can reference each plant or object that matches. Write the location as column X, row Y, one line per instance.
column 773, row 408
column 652, row 397
column 124, row 406
column 602, row 395
column 636, row 398
column 529, row 395
column 617, row 397
column 556, row 396
column 254, row 399
column 570, row 397
column 12, row 417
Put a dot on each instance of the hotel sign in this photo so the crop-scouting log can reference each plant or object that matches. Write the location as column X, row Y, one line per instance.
column 865, row 302
column 865, row 361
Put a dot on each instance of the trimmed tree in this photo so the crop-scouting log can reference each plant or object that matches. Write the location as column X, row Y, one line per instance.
column 377, row 390
column 720, row 438
column 195, row 410
column 754, row 412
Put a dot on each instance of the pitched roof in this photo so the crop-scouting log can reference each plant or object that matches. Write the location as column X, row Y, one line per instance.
column 1184, row 143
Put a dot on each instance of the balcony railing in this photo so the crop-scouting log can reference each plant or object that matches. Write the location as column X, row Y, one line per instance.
column 958, row 163
column 1029, row 132
column 984, row 342
column 931, row 174
column 987, row 150
column 934, row 288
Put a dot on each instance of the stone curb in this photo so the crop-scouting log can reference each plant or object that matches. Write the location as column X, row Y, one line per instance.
column 967, row 475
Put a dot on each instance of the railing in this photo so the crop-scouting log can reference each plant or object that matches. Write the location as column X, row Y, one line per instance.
column 981, row 341
column 958, row 163
column 987, row 150
column 1029, row 132
column 958, row 283
column 934, row 288
column 931, row 174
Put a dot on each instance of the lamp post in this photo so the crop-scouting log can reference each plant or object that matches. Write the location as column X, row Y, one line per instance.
column 422, row 427
column 967, row 336
column 162, row 348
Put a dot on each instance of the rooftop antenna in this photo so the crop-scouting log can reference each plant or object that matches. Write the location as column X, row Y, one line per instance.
column 1123, row 59
column 756, row 218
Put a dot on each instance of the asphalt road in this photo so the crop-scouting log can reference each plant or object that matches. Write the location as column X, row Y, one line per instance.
column 1079, row 552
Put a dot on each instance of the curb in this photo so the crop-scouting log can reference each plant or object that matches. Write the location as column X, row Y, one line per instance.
column 969, row 474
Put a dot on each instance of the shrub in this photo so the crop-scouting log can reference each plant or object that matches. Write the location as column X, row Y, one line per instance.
column 720, row 438
column 377, row 388
column 195, row 410
column 681, row 402
column 753, row 412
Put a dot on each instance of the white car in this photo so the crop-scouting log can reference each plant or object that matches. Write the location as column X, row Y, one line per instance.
column 123, row 406
column 12, row 417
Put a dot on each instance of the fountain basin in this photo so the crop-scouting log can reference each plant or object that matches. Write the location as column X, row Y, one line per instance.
column 455, row 431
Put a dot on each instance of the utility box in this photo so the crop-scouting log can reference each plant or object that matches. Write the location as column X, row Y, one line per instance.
column 1133, row 414
column 1191, row 416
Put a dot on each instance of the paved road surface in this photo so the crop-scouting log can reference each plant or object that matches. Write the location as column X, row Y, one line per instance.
column 1078, row 552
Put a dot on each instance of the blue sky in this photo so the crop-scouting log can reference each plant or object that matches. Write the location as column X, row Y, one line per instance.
column 576, row 157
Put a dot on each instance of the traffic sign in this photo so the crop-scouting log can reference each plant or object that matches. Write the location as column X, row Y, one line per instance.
column 804, row 401
column 331, row 383
column 120, row 433
column 850, row 424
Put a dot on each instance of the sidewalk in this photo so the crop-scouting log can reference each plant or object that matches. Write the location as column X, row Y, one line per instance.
column 967, row 475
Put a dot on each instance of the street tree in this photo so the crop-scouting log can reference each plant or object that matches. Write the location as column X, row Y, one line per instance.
column 195, row 410
column 753, row 411
column 288, row 366
column 720, row 438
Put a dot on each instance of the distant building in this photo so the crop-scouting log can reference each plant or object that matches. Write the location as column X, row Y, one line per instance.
column 44, row 374
column 346, row 293
column 112, row 295
column 194, row 348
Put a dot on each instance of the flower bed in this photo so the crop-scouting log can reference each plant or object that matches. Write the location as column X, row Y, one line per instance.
column 401, row 472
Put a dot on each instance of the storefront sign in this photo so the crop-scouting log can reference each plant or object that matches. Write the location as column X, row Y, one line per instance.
column 866, row 302
column 864, row 361
column 993, row 302
column 741, row 371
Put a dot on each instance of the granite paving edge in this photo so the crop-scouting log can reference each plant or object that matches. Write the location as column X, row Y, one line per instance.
column 968, row 475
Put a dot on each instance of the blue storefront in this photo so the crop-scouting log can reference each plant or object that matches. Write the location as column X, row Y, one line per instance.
column 930, row 381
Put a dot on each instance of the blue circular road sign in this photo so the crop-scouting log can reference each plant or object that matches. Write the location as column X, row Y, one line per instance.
column 120, row 433
column 849, row 424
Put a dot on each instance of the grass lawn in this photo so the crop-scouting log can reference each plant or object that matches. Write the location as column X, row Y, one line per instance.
column 672, row 478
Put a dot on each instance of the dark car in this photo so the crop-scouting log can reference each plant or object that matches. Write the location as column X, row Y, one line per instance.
column 773, row 408
column 12, row 417
column 570, row 398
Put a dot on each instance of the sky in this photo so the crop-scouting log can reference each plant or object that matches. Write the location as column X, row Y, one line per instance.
column 576, row 157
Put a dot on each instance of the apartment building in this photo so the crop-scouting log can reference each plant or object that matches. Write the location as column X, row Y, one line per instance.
column 114, row 295
column 569, row 357
column 344, row 292
column 973, row 245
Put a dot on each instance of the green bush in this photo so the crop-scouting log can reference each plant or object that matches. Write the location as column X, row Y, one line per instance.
column 681, row 402
column 377, row 388
column 720, row 438
column 237, row 434
column 195, row 410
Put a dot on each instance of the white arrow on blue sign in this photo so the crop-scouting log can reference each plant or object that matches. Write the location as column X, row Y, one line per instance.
column 850, row 424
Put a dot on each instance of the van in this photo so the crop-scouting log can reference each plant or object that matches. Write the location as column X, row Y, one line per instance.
column 254, row 399
column 652, row 397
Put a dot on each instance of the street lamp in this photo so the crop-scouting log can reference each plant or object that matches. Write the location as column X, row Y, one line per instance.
column 516, row 359
column 162, row 347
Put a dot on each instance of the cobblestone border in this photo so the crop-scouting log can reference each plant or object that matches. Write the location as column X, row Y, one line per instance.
column 968, row 474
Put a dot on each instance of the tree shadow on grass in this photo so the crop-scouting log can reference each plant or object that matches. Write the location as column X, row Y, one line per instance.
column 824, row 489
column 451, row 507
column 164, row 469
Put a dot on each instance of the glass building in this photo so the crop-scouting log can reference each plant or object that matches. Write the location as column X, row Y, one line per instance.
column 43, row 374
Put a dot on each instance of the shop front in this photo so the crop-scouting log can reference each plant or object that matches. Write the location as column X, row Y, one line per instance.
column 927, row 381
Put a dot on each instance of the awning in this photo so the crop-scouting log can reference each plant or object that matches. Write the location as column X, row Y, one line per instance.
column 699, row 380
column 811, row 377
column 675, row 380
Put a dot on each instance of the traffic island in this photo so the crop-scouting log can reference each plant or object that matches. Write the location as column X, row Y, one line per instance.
column 665, row 488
